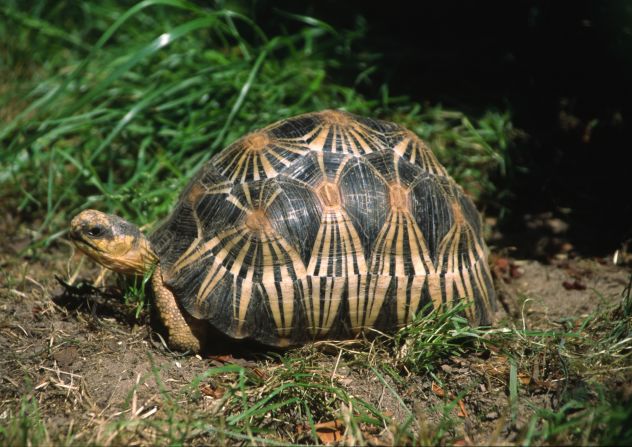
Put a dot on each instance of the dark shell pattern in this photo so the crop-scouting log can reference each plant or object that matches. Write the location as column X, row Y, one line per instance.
column 322, row 226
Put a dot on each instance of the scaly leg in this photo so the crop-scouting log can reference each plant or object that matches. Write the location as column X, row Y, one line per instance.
column 185, row 333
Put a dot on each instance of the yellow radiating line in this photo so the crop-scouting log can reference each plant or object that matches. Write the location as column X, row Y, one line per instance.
column 287, row 294
column 187, row 253
column 295, row 149
column 355, row 298
column 399, row 249
column 333, row 130
column 360, row 138
column 210, row 281
column 357, row 246
column 246, row 294
column 396, row 168
column 195, row 252
column 340, row 168
column 221, row 257
column 320, row 157
column 220, row 188
column 377, row 251
column 267, row 166
column 449, row 282
column 314, row 302
column 302, row 139
column 282, row 311
column 416, row 257
column 235, row 201
column 400, row 148
column 390, row 241
column 429, row 271
column 225, row 154
column 272, row 197
column 297, row 263
column 377, row 293
column 280, row 158
column 239, row 166
column 255, row 166
column 477, row 265
column 311, row 268
column 329, row 302
column 319, row 142
column 346, row 248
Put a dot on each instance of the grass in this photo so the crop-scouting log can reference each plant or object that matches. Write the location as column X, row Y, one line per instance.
column 114, row 105
column 360, row 392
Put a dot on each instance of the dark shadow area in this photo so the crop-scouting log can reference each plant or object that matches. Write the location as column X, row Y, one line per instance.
column 96, row 302
column 108, row 302
column 562, row 69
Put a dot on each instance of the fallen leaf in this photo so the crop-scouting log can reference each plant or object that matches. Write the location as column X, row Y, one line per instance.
column 327, row 432
column 66, row 356
column 502, row 264
column 524, row 379
column 222, row 358
column 462, row 411
column 516, row 271
column 212, row 391
column 437, row 390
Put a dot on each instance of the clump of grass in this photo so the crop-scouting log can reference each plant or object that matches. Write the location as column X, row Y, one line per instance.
column 281, row 402
column 434, row 336
column 598, row 417
column 26, row 427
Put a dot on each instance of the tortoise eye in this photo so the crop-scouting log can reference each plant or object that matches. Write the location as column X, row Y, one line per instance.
column 95, row 231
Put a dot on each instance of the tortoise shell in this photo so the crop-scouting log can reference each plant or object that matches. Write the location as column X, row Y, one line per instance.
column 321, row 226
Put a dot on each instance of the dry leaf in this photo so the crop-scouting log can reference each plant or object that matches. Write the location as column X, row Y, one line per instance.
column 222, row 358
column 212, row 391
column 437, row 390
column 524, row 379
column 462, row 411
column 327, row 432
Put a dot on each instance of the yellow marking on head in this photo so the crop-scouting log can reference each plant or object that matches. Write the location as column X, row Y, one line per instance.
column 112, row 242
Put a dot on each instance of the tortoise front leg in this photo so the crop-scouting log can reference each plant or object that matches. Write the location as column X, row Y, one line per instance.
column 185, row 333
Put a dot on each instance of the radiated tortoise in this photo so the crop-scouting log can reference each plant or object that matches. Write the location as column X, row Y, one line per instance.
column 319, row 226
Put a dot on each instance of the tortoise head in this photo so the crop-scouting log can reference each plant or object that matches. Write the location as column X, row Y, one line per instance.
column 112, row 242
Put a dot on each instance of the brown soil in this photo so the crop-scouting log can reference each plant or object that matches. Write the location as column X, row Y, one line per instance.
column 85, row 357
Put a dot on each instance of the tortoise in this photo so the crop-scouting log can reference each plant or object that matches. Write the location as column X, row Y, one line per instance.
column 320, row 226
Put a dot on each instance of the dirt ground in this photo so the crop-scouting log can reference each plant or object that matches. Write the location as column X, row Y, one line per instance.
column 81, row 353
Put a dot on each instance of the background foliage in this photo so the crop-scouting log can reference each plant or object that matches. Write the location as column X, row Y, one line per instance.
column 114, row 107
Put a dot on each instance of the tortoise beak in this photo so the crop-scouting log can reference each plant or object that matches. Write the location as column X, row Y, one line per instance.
column 77, row 238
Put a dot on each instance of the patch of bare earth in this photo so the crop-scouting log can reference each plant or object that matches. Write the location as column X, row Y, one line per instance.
column 86, row 359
